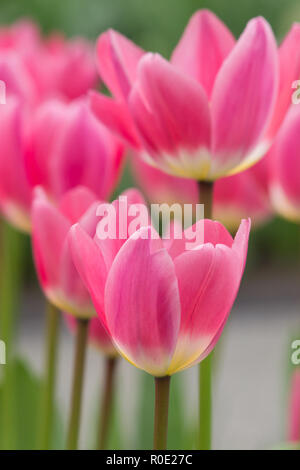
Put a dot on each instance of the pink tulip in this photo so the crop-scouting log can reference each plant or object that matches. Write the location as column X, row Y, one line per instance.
column 50, row 226
column 67, row 67
column 294, row 408
column 15, row 190
column 285, row 167
column 56, row 271
column 203, row 115
column 98, row 336
column 161, row 316
column 69, row 147
column 235, row 197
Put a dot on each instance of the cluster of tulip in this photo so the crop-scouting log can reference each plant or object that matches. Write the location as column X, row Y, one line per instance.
column 197, row 127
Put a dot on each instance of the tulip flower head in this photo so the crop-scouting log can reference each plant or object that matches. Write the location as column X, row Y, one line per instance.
column 284, row 159
column 56, row 271
column 203, row 115
column 162, row 317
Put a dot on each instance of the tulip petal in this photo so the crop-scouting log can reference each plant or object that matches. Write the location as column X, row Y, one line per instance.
column 76, row 202
column 115, row 115
column 205, row 44
column 142, row 304
column 285, row 167
column 289, row 71
column 117, row 59
column 206, row 299
column 50, row 229
column 90, row 265
column 243, row 99
column 179, row 136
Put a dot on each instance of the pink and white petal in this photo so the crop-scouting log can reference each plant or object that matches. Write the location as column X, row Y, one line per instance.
column 243, row 99
column 203, row 47
column 116, row 117
column 289, row 71
column 206, row 299
column 90, row 264
column 142, row 304
column 117, row 60
column 49, row 231
column 75, row 298
column 178, row 110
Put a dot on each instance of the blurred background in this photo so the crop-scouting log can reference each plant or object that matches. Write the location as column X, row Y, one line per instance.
column 253, row 357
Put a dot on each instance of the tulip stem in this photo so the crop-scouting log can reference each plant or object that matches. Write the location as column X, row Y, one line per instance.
column 205, row 373
column 206, row 189
column 107, row 402
column 162, row 393
column 78, row 372
column 47, row 403
column 11, row 275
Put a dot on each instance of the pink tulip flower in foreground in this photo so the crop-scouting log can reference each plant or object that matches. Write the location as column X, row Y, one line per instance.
column 206, row 113
column 161, row 316
column 235, row 197
column 56, row 271
column 285, row 167
column 294, row 409
column 98, row 336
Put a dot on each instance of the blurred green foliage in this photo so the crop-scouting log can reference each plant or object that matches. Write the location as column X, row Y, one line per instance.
column 157, row 25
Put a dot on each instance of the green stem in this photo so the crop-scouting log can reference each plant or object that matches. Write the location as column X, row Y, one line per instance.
column 162, row 393
column 78, row 372
column 107, row 402
column 47, row 404
column 11, row 275
column 205, row 373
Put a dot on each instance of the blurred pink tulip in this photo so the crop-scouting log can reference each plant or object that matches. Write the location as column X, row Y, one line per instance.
column 294, row 408
column 15, row 190
column 57, row 67
column 67, row 67
column 69, row 147
column 284, row 160
column 56, row 271
column 98, row 336
column 235, row 197
column 203, row 115
column 161, row 316
column 59, row 147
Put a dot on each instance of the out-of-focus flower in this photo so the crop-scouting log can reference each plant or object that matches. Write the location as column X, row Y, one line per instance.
column 98, row 336
column 284, row 158
column 67, row 67
column 235, row 197
column 15, row 190
column 203, row 115
column 69, row 147
column 50, row 226
column 57, row 67
column 161, row 316
column 60, row 147
column 294, row 408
